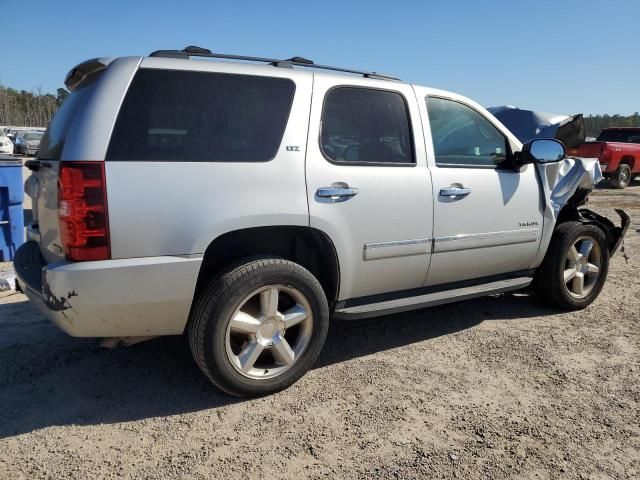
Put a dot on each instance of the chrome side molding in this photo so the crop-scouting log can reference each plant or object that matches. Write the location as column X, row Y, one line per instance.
column 481, row 240
column 399, row 248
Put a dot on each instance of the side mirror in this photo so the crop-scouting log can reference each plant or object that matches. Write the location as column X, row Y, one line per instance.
column 541, row 150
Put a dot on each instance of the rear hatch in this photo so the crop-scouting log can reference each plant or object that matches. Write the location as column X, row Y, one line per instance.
column 43, row 184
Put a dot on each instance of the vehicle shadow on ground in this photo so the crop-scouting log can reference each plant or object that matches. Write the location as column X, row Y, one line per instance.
column 48, row 378
column 605, row 185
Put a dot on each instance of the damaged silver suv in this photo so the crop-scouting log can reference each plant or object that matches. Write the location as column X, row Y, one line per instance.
column 246, row 202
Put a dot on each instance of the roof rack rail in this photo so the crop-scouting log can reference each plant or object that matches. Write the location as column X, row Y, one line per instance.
column 193, row 51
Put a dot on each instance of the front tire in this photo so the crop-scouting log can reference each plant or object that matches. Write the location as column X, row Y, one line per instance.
column 259, row 327
column 622, row 177
column 575, row 267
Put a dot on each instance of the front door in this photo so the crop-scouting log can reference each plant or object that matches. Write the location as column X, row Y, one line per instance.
column 487, row 217
column 368, row 185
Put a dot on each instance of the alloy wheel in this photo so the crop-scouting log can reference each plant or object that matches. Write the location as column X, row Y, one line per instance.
column 269, row 331
column 582, row 267
column 624, row 177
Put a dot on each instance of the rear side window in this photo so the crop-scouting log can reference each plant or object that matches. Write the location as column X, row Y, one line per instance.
column 52, row 142
column 174, row 115
column 622, row 136
column 463, row 137
column 362, row 125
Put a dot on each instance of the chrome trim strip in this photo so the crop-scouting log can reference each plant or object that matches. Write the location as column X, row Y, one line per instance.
column 397, row 248
column 481, row 240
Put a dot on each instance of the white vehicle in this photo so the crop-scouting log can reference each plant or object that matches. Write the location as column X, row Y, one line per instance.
column 6, row 145
column 246, row 204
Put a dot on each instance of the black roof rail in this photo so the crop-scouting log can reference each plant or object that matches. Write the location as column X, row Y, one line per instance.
column 193, row 51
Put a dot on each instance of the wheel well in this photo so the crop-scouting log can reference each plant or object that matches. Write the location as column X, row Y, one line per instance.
column 628, row 160
column 306, row 246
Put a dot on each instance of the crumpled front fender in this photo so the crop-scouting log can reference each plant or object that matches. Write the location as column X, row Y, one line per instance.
column 565, row 186
column 614, row 234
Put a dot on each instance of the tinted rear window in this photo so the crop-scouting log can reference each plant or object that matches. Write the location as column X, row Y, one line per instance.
column 622, row 136
column 172, row 115
column 52, row 142
column 362, row 125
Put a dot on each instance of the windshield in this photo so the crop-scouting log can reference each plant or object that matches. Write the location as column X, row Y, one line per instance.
column 622, row 136
column 33, row 136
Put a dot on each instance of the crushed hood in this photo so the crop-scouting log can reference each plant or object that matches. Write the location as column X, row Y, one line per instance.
column 527, row 125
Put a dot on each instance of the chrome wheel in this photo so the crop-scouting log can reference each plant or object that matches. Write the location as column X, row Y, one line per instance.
column 582, row 267
column 269, row 331
column 625, row 175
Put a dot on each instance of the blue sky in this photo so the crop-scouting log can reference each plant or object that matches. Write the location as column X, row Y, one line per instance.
column 561, row 56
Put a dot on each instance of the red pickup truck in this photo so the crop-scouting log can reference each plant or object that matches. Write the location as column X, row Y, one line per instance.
column 618, row 150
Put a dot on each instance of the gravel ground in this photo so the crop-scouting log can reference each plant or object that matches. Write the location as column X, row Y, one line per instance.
column 500, row 387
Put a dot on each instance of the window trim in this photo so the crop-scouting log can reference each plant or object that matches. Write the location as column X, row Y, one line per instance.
column 284, row 131
column 505, row 165
column 368, row 164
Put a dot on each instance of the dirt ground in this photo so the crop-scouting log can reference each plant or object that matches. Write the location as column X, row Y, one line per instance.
column 500, row 387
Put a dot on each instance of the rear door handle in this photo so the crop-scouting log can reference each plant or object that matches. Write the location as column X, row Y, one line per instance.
column 337, row 193
column 454, row 192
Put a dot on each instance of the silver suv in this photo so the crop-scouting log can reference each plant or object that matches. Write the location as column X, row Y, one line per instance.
column 245, row 203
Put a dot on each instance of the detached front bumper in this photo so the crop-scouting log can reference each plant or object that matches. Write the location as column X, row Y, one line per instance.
column 112, row 298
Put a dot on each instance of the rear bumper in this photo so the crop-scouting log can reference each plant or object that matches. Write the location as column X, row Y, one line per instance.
column 113, row 298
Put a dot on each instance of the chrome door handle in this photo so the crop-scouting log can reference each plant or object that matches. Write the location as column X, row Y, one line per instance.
column 455, row 192
column 337, row 192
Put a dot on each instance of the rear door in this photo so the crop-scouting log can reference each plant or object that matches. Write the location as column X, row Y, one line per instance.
column 487, row 217
column 367, row 183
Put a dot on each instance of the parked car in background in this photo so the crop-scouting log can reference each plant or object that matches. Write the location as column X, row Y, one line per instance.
column 28, row 142
column 17, row 140
column 6, row 145
column 618, row 150
column 245, row 205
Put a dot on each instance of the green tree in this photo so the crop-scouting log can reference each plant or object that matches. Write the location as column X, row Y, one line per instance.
column 62, row 94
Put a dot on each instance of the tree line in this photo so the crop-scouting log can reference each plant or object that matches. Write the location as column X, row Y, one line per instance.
column 29, row 109
column 35, row 109
column 595, row 123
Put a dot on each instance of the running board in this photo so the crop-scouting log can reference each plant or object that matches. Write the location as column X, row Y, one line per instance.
column 431, row 299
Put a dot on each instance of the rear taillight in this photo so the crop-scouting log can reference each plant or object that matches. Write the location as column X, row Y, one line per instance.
column 82, row 211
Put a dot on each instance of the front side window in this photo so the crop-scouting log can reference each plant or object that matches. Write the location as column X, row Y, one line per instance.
column 361, row 125
column 175, row 115
column 463, row 137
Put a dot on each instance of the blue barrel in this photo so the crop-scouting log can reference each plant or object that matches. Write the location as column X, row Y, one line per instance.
column 11, row 211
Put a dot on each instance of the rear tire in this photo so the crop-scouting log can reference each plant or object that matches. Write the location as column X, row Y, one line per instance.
column 259, row 327
column 622, row 177
column 575, row 267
